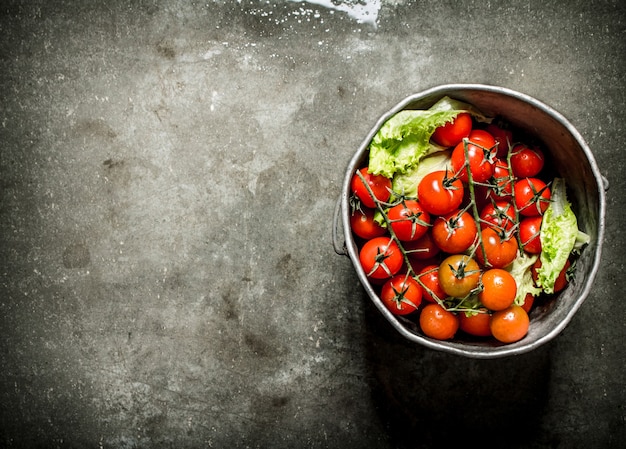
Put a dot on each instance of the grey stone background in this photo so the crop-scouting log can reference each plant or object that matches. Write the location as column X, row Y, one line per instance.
column 168, row 175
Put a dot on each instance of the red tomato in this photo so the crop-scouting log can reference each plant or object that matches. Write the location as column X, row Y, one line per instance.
column 482, row 196
column 499, row 289
column 529, row 300
column 440, row 193
column 561, row 280
column 480, row 153
column 455, row 232
column 362, row 224
column 417, row 265
column 476, row 324
column 532, row 196
column 408, row 220
column 423, row 248
column 509, row 325
column 381, row 258
column 529, row 234
column 526, row 162
column 483, row 138
column 499, row 215
column 380, row 186
column 438, row 323
column 500, row 250
column 503, row 138
column 401, row 294
column 458, row 275
column 429, row 277
column 453, row 132
column 501, row 181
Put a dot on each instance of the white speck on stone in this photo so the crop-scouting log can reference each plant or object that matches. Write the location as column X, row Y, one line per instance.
column 214, row 100
column 363, row 12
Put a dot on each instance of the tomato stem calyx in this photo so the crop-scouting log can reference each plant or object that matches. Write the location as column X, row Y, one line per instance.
column 449, row 181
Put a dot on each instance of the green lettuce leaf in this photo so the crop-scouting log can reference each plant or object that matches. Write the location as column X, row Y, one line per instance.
column 582, row 239
column 559, row 234
column 406, row 183
column 520, row 270
column 404, row 139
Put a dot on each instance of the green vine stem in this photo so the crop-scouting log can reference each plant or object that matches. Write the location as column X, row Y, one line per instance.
column 472, row 192
column 380, row 206
column 509, row 154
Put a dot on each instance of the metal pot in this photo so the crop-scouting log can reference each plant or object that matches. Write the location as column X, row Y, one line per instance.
column 572, row 159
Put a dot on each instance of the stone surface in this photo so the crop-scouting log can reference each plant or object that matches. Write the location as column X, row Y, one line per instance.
column 169, row 171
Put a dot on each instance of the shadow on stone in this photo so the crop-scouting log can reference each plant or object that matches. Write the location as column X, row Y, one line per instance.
column 426, row 398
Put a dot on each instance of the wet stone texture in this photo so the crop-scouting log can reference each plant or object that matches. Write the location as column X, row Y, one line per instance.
column 168, row 175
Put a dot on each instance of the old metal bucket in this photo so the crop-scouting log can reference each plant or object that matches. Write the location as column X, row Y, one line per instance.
column 572, row 159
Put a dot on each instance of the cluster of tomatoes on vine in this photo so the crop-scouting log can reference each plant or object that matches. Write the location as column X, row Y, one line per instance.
column 442, row 254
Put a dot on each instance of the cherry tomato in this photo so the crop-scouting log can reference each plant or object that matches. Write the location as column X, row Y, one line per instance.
column 453, row 132
column 529, row 300
column 417, row 265
column 499, row 215
column 381, row 258
column 483, row 138
column 561, row 280
column 526, row 162
column 408, row 220
column 380, row 186
column 480, row 152
column 503, row 138
column 501, row 181
column 401, row 294
column 440, row 193
column 455, row 232
column 476, row 324
column 500, row 249
column 532, row 196
column 362, row 224
column 509, row 325
column 429, row 277
column 499, row 289
column 458, row 275
column 438, row 323
column 482, row 196
column 529, row 230
column 422, row 249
